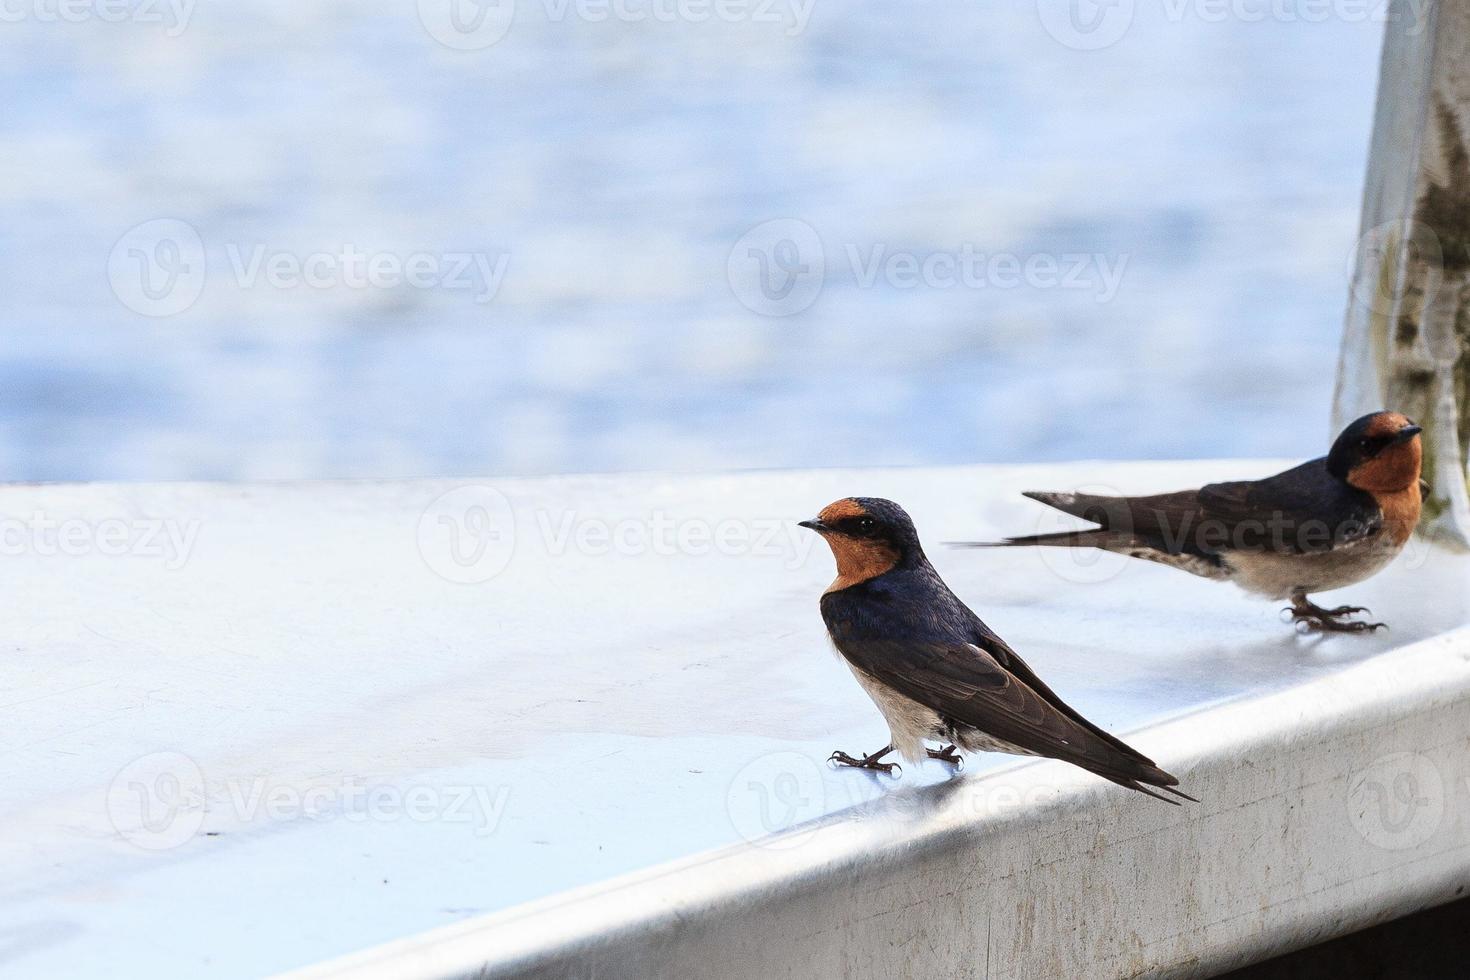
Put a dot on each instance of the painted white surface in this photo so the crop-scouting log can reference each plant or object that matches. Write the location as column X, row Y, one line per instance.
column 1327, row 807
column 580, row 715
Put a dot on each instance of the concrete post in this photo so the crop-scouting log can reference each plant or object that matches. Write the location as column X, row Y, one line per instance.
column 1407, row 340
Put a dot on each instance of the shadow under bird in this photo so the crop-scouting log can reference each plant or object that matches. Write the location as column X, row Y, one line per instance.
column 1323, row 525
column 936, row 671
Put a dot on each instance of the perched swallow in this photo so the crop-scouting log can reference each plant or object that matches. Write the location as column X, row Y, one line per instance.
column 1325, row 524
column 935, row 670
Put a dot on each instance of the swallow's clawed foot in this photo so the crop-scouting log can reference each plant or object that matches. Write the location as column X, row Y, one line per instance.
column 1328, row 625
column 1344, row 611
column 867, row 761
column 948, row 754
column 1312, row 618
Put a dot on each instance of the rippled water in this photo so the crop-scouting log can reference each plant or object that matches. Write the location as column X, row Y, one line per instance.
column 1208, row 175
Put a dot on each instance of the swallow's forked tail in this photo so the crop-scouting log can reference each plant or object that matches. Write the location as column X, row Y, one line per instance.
column 1104, row 754
column 1104, row 511
column 1147, row 782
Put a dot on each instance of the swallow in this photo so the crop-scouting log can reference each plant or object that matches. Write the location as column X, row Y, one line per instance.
column 1328, row 523
column 935, row 671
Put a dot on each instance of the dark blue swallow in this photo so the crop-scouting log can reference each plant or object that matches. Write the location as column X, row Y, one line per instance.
column 937, row 672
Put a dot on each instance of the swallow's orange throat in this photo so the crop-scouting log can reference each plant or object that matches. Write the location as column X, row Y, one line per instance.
column 1394, row 469
column 1401, row 510
column 1392, row 476
column 858, row 560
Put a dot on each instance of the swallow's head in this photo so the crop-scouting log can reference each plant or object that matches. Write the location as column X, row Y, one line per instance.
column 1380, row 453
column 868, row 536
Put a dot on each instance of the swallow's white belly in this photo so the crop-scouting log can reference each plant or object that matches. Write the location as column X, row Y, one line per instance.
column 1280, row 576
column 910, row 723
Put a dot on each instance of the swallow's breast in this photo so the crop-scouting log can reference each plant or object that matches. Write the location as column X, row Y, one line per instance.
column 1277, row 576
column 1401, row 512
column 909, row 722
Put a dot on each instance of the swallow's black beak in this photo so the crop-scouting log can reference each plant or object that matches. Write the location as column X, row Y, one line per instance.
column 1408, row 432
column 814, row 524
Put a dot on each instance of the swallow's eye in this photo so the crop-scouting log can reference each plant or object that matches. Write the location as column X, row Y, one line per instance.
column 1366, row 445
column 867, row 525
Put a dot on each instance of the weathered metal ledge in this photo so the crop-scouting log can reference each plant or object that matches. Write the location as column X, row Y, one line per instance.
column 588, row 742
column 1329, row 808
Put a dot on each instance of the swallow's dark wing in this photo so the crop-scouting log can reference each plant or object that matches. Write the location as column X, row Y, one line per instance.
column 1303, row 510
column 1001, row 651
column 966, row 685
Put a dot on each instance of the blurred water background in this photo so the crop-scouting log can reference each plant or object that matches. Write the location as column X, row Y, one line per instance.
column 613, row 165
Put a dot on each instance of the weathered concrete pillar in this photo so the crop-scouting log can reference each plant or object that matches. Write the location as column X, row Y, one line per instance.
column 1407, row 341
